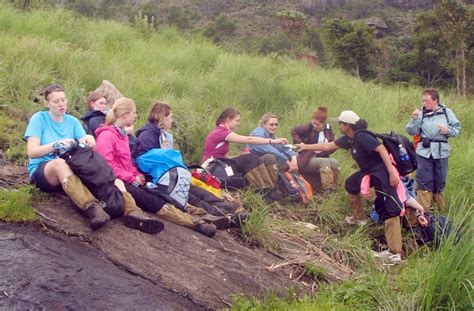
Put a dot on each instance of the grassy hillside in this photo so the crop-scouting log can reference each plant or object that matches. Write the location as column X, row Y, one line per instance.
column 199, row 79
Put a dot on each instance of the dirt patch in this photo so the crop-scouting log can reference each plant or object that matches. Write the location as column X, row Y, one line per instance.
column 12, row 175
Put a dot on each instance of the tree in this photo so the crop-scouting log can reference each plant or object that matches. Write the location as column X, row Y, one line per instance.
column 431, row 57
column 457, row 26
column 352, row 45
column 222, row 26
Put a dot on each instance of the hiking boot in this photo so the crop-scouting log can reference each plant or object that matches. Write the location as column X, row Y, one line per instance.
column 271, row 195
column 388, row 256
column 237, row 220
column 221, row 222
column 351, row 220
column 142, row 221
column 206, row 229
column 96, row 214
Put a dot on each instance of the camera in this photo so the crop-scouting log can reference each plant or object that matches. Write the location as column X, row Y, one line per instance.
column 425, row 142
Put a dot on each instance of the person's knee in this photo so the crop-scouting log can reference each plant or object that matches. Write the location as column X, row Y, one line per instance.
column 351, row 187
column 334, row 164
column 269, row 159
column 57, row 168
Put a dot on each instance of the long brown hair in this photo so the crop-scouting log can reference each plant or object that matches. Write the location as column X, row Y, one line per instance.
column 228, row 113
column 121, row 106
column 158, row 112
column 94, row 96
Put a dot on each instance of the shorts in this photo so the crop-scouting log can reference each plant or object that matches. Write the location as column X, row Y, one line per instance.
column 40, row 181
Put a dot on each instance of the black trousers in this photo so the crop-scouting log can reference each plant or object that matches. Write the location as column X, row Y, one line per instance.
column 387, row 204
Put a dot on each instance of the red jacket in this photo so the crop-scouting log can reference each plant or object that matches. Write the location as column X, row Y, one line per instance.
column 114, row 148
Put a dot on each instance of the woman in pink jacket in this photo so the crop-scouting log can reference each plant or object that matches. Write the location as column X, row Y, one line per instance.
column 112, row 143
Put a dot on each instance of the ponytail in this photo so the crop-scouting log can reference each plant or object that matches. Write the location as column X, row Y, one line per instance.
column 121, row 106
column 361, row 124
column 228, row 113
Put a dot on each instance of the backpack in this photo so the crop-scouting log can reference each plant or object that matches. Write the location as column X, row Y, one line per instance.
column 405, row 163
column 417, row 137
column 220, row 169
column 95, row 173
column 294, row 188
column 439, row 228
column 168, row 173
column 203, row 179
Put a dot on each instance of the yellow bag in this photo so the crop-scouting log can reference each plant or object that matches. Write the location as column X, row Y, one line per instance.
column 196, row 182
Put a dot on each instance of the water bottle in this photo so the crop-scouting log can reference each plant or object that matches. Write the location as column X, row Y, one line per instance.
column 327, row 129
column 151, row 185
column 403, row 153
column 290, row 146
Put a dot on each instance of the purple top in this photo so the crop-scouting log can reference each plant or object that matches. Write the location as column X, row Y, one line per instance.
column 216, row 146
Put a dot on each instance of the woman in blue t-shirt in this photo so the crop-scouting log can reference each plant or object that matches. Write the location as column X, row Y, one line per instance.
column 373, row 159
column 54, row 127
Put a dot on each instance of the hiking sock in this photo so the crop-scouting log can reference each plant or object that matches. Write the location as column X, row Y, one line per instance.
column 393, row 234
column 77, row 192
column 439, row 200
column 356, row 204
column 425, row 198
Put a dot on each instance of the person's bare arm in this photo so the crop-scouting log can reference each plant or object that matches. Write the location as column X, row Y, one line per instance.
column 35, row 150
column 327, row 147
column 254, row 140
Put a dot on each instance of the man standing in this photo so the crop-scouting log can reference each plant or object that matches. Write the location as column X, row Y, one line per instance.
column 435, row 123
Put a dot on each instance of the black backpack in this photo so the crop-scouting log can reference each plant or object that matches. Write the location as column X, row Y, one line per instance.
column 97, row 175
column 218, row 169
column 392, row 142
column 439, row 228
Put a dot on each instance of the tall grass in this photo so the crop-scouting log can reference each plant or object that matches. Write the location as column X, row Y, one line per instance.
column 15, row 205
column 199, row 79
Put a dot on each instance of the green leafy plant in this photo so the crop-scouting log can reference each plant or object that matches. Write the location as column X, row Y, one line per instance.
column 144, row 25
column 15, row 205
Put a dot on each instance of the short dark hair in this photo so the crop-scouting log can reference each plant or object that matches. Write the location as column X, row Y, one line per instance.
column 361, row 124
column 53, row 88
column 433, row 93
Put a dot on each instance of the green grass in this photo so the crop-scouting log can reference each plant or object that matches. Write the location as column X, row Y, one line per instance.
column 16, row 205
column 199, row 79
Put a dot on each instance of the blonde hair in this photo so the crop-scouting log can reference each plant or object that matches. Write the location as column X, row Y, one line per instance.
column 266, row 117
column 121, row 106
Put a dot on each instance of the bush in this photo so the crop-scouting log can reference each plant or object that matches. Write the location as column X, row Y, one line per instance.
column 223, row 26
column 15, row 205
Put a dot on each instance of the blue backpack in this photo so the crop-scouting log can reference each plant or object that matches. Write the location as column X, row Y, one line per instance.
column 169, row 174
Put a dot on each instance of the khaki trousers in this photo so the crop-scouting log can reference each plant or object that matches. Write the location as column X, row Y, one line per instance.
column 175, row 215
column 393, row 234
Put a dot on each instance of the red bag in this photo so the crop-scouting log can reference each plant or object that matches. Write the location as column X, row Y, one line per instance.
column 207, row 178
column 416, row 140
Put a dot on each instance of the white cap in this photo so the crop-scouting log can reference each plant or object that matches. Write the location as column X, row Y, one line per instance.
column 349, row 117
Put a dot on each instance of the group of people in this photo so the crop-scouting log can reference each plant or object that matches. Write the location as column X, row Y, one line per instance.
column 110, row 133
